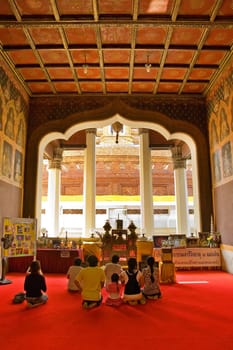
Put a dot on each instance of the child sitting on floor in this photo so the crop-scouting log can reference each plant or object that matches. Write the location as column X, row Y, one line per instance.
column 114, row 291
column 72, row 273
column 133, row 280
column 151, row 289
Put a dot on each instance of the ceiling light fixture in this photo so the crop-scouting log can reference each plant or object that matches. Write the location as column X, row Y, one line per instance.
column 148, row 65
column 85, row 65
column 117, row 127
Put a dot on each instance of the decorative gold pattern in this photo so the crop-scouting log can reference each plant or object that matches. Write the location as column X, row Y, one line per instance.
column 221, row 132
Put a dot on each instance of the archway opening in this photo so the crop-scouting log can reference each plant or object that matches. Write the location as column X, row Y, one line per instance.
column 159, row 130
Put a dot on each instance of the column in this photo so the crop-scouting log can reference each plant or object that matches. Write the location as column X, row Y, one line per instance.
column 54, row 187
column 181, row 193
column 89, row 182
column 146, row 191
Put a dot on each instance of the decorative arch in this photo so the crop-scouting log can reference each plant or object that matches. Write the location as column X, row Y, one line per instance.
column 169, row 128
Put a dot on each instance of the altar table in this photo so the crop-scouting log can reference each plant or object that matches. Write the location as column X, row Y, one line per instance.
column 52, row 260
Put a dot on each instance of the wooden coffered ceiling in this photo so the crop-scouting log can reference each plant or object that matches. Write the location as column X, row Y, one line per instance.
column 47, row 42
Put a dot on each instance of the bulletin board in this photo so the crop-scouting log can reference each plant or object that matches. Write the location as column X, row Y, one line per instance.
column 19, row 237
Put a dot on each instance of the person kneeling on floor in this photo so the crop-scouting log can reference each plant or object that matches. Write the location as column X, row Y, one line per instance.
column 133, row 280
column 151, row 289
column 35, row 285
column 91, row 281
column 113, row 289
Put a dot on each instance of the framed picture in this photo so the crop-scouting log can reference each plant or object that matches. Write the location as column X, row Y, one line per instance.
column 158, row 240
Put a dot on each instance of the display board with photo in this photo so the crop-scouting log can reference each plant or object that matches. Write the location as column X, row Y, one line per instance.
column 19, row 237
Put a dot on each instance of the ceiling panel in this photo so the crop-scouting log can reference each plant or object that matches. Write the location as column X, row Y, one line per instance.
column 169, row 87
column 115, row 35
column 45, row 36
column 226, row 9
column 92, row 73
column 117, row 87
column 155, row 7
column 154, row 56
column 23, row 57
column 201, row 74
column 151, row 36
column 79, row 56
column 143, row 87
column 116, row 73
column 75, row 7
column 81, row 35
column 40, row 87
column 176, row 57
column 60, row 73
column 196, row 7
column 55, row 56
column 220, row 36
column 139, row 73
column 109, row 7
column 32, row 74
column 186, row 37
column 185, row 44
column 94, row 87
column 13, row 37
column 116, row 56
column 173, row 74
column 194, row 88
column 33, row 8
column 65, row 86
column 210, row 57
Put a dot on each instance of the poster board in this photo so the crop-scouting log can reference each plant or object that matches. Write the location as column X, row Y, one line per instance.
column 192, row 257
column 197, row 257
column 20, row 236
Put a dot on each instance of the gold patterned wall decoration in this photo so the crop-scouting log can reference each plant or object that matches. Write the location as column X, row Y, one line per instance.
column 12, row 132
column 220, row 108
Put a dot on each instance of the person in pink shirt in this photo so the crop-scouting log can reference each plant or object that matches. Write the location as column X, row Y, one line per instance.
column 114, row 291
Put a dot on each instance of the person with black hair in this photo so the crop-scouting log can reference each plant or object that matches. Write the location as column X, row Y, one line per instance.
column 72, row 273
column 91, row 281
column 112, row 267
column 133, row 280
column 114, row 291
column 151, row 289
column 35, row 285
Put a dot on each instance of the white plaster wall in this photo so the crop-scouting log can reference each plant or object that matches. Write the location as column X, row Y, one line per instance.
column 227, row 259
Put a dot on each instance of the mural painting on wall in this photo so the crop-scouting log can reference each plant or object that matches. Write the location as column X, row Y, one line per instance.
column 216, row 166
column 12, row 132
column 227, row 159
column 221, row 132
column 6, row 159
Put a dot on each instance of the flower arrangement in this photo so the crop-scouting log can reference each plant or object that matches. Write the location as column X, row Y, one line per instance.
column 210, row 240
column 214, row 240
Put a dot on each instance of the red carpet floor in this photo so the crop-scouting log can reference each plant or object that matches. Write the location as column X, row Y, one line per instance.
column 195, row 313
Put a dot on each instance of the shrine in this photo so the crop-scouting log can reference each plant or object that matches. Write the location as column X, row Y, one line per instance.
column 119, row 241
